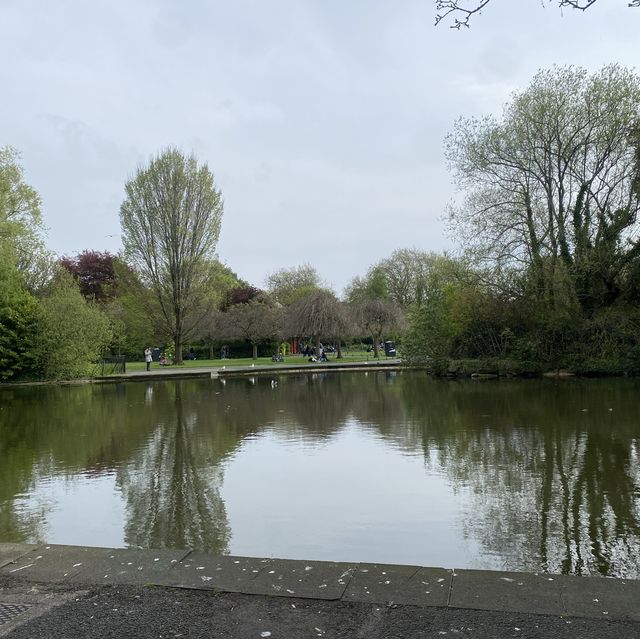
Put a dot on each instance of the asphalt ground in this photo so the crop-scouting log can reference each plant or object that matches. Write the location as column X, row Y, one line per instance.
column 146, row 612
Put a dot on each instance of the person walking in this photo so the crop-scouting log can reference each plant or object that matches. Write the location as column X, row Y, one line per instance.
column 147, row 357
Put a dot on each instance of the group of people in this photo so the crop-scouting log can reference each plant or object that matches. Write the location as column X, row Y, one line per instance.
column 310, row 352
column 148, row 358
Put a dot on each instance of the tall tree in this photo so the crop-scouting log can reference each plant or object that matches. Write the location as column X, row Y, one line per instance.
column 170, row 227
column 22, row 255
column 552, row 186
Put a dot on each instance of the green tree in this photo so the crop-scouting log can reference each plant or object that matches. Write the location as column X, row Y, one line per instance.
column 20, row 214
column 401, row 278
column 373, row 286
column 170, row 227
column 551, row 188
column 18, row 320
column 223, row 280
column 21, row 222
column 290, row 284
column 72, row 332
column 429, row 339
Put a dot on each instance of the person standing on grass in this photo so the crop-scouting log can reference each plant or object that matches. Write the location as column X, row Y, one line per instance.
column 147, row 356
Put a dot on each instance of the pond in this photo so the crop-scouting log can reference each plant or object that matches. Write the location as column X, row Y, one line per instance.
column 534, row 475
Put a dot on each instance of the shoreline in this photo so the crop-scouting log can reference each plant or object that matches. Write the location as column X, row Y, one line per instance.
column 458, row 370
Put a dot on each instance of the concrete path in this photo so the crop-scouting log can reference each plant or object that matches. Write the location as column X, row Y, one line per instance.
column 158, row 372
column 378, row 584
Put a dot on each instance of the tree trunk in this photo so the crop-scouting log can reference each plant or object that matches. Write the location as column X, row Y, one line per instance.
column 255, row 351
column 177, row 356
column 339, row 355
column 376, row 354
column 318, row 346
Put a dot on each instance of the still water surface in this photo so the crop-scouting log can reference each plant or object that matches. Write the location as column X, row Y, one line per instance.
column 384, row 467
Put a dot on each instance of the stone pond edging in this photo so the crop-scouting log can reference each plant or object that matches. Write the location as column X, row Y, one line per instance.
column 561, row 595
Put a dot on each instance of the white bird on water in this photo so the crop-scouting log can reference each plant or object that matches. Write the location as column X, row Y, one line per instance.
column 273, row 383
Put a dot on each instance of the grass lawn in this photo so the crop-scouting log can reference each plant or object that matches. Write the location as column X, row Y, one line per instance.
column 347, row 356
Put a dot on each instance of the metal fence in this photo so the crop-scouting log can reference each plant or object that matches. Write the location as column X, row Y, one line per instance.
column 113, row 366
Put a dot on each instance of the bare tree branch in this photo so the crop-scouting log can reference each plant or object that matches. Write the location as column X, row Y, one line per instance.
column 460, row 12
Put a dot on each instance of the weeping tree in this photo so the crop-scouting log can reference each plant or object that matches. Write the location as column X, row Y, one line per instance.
column 318, row 314
column 255, row 321
column 170, row 221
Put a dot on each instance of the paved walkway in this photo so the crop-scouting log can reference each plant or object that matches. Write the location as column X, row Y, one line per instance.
column 557, row 596
column 231, row 371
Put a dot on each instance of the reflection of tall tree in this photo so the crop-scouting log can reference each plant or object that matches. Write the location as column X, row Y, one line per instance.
column 555, row 486
column 173, row 489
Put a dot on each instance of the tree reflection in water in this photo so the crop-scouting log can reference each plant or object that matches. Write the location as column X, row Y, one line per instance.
column 172, row 486
column 553, row 475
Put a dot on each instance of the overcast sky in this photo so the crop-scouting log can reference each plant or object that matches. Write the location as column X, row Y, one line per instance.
column 323, row 120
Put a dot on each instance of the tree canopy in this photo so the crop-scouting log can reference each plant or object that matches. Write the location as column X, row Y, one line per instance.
column 72, row 333
column 290, row 284
column 552, row 187
column 94, row 272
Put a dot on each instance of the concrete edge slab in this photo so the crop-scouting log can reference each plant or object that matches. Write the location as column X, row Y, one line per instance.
column 10, row 553
column 323, row 580
column 506, row 591
column 592, row 597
